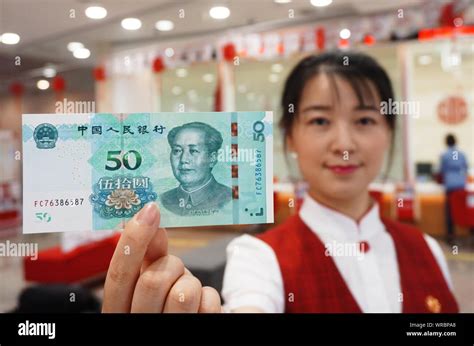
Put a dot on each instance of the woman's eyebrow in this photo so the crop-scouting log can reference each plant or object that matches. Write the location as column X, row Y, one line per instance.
column 366, row 108
column 317, row 108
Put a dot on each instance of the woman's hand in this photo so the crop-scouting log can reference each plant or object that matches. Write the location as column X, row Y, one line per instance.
column 142, row 277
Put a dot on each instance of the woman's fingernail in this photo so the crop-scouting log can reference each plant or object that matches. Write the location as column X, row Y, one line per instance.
column 148, row 214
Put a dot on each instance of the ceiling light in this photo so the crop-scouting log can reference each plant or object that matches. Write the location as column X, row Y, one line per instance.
column 82, row 53
column 131, row 23
column 96, row 12
column 42, row 84
column 169, row 52
column 321, row 3
column 164, row 25
column 72, row 46
column 345, row 34
column 49, row 72
column 10, row 38
column 282, row 1
column 219, row 12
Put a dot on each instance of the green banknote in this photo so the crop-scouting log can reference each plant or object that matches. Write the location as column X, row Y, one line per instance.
column 95, row 171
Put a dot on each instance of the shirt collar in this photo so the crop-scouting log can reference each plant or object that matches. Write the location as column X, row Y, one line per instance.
column 331, row 224
column 196, row 196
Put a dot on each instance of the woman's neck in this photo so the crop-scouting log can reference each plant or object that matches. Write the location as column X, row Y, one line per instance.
column 355, row 208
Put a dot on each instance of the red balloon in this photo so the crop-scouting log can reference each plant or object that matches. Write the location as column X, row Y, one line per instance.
column 158, row 65
column 17, row 88
column 58, row 83
column 99, row 73
column 229, row 52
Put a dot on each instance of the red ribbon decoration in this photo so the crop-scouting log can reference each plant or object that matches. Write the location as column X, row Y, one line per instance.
column 99, row 73
column 229, row 52
column 17, row 89
column 320, row 38
column 158, row 65
column 58, row 84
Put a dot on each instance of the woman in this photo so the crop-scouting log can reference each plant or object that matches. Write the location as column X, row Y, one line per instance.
column 333, row 125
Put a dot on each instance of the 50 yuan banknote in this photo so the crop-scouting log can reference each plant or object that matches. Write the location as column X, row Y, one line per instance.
column 95, row 171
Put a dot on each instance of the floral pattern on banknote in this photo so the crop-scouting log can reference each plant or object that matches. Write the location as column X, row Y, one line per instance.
column 121, row 196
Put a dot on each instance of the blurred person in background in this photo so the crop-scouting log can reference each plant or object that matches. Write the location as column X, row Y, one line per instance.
column 453, row 171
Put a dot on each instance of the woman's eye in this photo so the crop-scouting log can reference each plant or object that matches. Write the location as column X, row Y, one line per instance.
column 319, row 121
column 366, row 121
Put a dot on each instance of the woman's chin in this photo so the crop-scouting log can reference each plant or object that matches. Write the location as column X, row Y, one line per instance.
column 343, row 190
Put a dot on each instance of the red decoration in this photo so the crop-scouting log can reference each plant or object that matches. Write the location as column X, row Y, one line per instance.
column 17, row 89
column 229, row 52
column 369, row 40
column 84, row 262
column 452, row 110
column 364, row 246
column 218, row 106
column 281, row 48
column 444, row 32
column 58, row 84
column 405, row 207
column 99, row 73
column 343, row 43
column 462, row 209
column 449, row 15
column 320, row 38
column 158, row 65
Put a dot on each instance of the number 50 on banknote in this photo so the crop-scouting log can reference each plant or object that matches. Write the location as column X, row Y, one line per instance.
column 95, row 171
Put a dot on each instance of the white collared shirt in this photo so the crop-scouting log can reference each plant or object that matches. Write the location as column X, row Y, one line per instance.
column 253, row 278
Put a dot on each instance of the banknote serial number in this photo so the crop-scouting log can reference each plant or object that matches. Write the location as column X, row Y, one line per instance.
column 59, row 202
column 258, row 173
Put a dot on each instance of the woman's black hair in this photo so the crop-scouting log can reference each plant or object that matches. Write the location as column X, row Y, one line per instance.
column 356, row 68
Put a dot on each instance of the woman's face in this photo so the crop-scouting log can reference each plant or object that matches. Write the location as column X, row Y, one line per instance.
column 340, row 144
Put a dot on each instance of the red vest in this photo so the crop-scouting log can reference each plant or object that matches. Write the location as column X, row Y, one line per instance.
column 313, row 283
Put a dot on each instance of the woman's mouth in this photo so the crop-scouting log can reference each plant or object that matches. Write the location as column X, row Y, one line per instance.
column 343, row 169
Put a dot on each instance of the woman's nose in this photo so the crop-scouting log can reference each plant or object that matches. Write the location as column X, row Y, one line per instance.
column 343, row 140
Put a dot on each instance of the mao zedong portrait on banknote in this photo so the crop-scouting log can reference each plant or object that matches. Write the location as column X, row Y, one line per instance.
column 194, row 153
column 95, row 171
